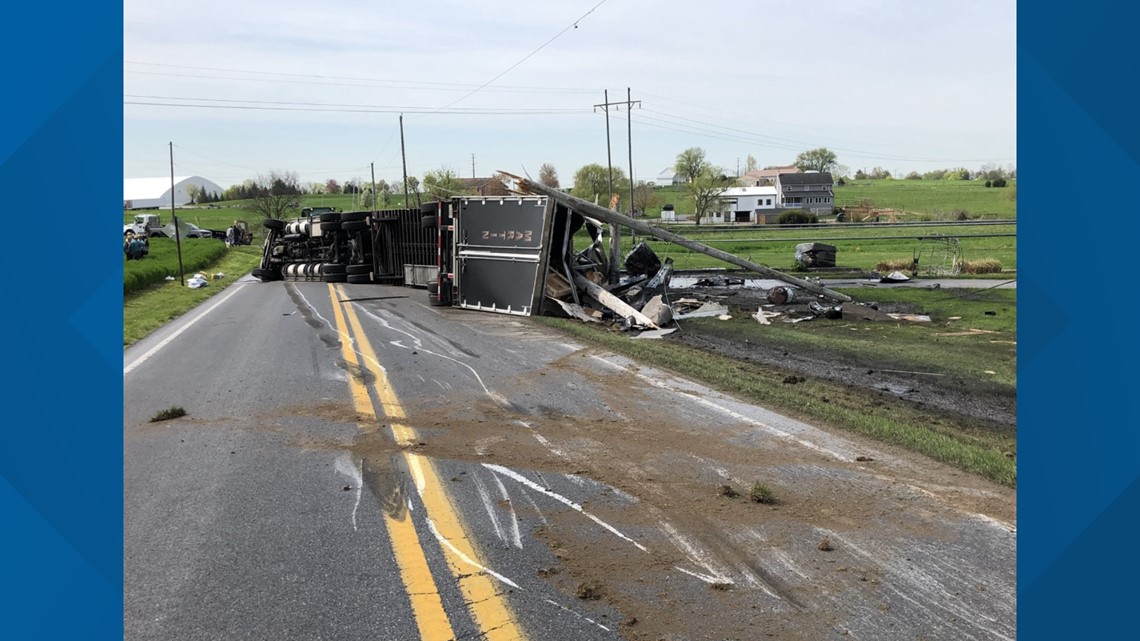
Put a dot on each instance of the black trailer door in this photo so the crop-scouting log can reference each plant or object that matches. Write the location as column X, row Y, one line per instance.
column 501, row 252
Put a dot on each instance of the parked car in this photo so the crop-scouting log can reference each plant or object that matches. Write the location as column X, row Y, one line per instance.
column 187, row 230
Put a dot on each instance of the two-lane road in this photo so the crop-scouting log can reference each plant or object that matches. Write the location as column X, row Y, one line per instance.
column 357, row 464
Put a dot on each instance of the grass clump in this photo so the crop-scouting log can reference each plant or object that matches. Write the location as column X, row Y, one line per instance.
column 169, row 413
column 983, row 266
column 761, row 493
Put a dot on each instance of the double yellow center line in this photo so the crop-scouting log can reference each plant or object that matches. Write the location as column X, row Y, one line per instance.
column 485, row 602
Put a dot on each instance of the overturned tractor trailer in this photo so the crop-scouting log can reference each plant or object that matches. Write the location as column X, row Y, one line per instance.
column 522, row 255
column 487, row 254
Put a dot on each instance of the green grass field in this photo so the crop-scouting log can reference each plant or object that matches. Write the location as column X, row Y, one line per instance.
column 930, row 197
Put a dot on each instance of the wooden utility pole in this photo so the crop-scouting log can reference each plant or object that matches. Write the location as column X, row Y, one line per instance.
column 609, row 216
column 615, row 229
column 174, row 215
column 404, row 158
column 372, row 166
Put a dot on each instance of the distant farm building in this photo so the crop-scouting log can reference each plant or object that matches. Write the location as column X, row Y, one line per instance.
column 153, row 193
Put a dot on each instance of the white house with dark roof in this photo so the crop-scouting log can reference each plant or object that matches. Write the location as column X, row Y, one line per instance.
column 809, row 191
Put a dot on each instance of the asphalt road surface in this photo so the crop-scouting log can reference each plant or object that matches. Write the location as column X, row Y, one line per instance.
column 356, row 464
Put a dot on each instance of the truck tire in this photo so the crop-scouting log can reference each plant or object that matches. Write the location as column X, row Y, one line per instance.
column 359, row 279
column 352, row 216
column 273, row 223
column 332, row 268
column 428, row 221
column 354, row 225
column 266, row 275
column 330, row 217
column 336, row 278
column 433, row 295
column 333, row 226
column 358, row 269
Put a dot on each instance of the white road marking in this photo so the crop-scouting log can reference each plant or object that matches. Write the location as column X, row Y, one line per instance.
column 169, row 339
column 511, row 474
column 516, row 535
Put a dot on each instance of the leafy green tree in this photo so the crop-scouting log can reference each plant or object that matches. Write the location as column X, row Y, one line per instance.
column 691, row 163
column 592, row 182
column 821, row 159
column 442, row 184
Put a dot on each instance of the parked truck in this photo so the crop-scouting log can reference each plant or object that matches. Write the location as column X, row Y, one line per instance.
column 147, row 225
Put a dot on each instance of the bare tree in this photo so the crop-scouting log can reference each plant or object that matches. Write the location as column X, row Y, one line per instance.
column 706, row 189
column 548, row 175
column 277, row 195
column 644, row 197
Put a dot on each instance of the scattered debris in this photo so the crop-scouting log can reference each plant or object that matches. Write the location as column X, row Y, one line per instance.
column 781, row 295
column 863, row 312
column 793, row 379
column 655, row 333
column 991, row 313
column 719, row 281
column 346, row 488
column 969, row 332
column 197, row 281
column 826, row 311
column 864, row 459
column 895, row 277
column 763, row 317
column 815, row 255
column 916, row 318
column 706, row 310
column 825, row 545
column 721, row 586
column 658, row 312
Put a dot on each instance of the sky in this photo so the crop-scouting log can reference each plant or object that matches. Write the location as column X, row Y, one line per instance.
column 238, row 90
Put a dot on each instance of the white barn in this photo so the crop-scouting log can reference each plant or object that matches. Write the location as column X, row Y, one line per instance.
column 151, row 193
column 749, row 204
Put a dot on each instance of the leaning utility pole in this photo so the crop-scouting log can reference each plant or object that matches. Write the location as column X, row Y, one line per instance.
column 174, row 215
column 372, row 166
column 615, row 230
column 404, row 158
column 518, row 184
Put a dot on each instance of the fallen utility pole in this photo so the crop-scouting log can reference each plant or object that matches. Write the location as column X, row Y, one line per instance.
column 524, row 185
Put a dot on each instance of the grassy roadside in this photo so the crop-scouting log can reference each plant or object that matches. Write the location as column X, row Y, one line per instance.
column 977, row 451
column 153, row 307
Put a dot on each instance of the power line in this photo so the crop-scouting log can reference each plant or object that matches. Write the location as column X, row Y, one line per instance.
column 574, row 25
column 351, row 80
column 259, row 105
